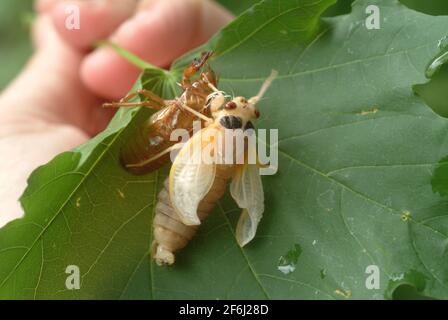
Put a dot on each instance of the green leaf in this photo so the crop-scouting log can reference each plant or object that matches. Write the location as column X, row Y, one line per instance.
column 77, row 208
column 357, row 153
column 237, row 6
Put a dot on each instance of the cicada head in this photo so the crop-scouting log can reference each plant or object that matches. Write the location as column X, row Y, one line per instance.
column 239, row 107
column 242, row 108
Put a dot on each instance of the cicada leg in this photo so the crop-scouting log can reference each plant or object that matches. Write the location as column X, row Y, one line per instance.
column 153, row 102
column 207, row 120
column 157, row 156
column 194, row 67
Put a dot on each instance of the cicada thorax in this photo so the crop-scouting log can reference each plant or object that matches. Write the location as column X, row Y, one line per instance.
column 153, row 137
column 169, row 233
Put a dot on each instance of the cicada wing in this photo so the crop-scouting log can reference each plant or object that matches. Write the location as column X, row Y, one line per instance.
column 247, row 190
column 190, row 179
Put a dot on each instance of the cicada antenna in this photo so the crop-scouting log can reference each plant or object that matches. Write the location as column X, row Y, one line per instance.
column 264, row 87
column 233, row 94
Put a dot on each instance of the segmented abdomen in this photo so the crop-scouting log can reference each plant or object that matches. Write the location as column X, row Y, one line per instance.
column 170, row 234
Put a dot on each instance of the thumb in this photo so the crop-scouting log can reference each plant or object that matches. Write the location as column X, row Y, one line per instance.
column 161, row 31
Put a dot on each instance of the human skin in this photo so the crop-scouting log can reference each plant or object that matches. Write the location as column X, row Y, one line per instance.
column 54, row 103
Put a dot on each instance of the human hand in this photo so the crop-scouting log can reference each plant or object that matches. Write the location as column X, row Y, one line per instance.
column 54, row 104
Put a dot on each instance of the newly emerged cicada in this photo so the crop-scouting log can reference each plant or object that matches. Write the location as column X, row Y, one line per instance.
column 148, row 149
column 194, row 185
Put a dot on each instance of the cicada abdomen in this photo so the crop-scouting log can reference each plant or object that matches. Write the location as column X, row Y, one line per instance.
column 169, row 232
column 147, row 149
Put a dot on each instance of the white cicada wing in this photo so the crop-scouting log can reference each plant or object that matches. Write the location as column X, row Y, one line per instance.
column 191, row 179
column 247, row 190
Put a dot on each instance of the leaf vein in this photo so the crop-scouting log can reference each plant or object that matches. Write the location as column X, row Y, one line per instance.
column 246, row 258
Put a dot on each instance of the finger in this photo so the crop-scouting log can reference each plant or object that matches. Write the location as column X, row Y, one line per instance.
column 159, row 33
column 82, row 23
column 33, row 146
column 49, row 87
column 45, row 6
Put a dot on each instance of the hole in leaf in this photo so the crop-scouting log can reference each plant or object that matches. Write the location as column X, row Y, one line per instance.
column 287, row 263
column 406, row 285
column 408, row 292
column 431, row 7
column 339, row 8
column 439, row 180
column 434, row 92
column 323, row 273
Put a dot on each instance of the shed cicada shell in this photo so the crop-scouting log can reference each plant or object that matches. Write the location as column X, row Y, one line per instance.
column 148, row 149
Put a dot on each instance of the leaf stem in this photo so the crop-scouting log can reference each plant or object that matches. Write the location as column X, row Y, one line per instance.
column 129, row 56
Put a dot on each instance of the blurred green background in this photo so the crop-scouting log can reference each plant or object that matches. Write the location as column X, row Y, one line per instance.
column 15, row 48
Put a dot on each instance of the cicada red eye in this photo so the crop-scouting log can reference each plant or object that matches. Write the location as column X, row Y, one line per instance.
column 230, row 105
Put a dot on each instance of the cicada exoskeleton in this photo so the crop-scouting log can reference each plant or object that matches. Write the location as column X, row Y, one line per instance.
column 148, row 148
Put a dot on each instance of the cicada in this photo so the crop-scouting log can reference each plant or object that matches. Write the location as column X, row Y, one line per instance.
column 148, row 148
column 194, row 186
